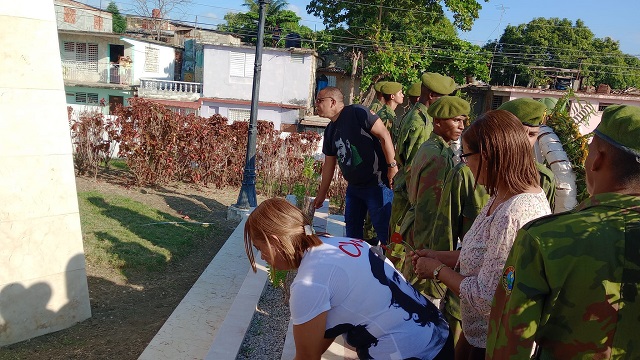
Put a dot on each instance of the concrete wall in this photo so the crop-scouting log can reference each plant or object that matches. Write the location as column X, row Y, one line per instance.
column 283, row 79
column 43, row 283
column 85, row 17
column 166, row 61
column 278, row 116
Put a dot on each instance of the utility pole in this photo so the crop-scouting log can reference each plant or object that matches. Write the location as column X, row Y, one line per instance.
column 502, row 9
column 247, row 197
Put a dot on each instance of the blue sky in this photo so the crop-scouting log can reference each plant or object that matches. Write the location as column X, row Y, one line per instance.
column 617, row 19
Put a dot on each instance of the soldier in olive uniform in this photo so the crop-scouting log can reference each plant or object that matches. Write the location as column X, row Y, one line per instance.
column 393, row 96
column 377, row 103
column 532, row 114
column 413, row 94
column 429, row 168
column 416, row 129
column 571, row 282
column 461, row 201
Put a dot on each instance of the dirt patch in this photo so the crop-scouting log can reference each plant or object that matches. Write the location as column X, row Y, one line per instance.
column 128, row 312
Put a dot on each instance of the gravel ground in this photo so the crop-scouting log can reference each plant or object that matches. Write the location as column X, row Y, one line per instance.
column 265, row 337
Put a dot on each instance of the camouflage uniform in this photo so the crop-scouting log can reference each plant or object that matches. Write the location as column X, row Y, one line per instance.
column 395, row 132
column 547, row 183
column 388, row 117
column 415, row 130
column 376, row 105
column 427, row 172
column 460, row 203
column 571, row 284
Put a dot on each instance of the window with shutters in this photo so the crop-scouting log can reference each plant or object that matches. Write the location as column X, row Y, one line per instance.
column 86, row 98
column 85, row 55
column 297, row 58
column 151, row 60
column 496, row 102
column 238, row 115
column 331, row 80
column 241, row 64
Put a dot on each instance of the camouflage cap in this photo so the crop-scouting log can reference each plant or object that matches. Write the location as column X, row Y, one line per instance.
column 448, row 107
column 378, row 85
column 549, row 102
column 414, row 90
column 390, row 87
column 528, row 111
column 438, row 83
column 620, row 126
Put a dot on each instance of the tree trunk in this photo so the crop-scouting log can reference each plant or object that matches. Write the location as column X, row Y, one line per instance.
column 354, row 68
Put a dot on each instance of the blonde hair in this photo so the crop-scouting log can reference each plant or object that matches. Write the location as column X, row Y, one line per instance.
column 280, row 226
column 498, row 137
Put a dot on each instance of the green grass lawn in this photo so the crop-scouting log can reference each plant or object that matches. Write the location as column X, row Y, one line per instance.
column 128, row 235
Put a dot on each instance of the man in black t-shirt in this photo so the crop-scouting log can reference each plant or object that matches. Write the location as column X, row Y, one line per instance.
column 357, row 140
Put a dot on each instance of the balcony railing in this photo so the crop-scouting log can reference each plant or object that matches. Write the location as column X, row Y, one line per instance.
column 170, row 90
column 96, row 72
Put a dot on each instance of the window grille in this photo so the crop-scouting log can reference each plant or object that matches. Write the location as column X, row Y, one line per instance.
column 238, row 115
column 151, row 60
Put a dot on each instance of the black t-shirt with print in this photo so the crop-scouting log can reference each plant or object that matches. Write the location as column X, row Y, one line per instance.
column 359, row 153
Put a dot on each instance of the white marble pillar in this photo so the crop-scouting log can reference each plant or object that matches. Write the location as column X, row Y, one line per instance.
column 43, row 282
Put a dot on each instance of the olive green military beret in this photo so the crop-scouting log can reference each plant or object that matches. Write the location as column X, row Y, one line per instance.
column 378, row 85
column 528, row 111
column 448, row 107
column 620, row 126
column 438, row 83
column 549, row 102
column 390, row 87
column 414, row 90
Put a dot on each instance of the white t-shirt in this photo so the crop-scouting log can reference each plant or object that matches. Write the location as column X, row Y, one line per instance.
column 484, row 252
column 367, row 301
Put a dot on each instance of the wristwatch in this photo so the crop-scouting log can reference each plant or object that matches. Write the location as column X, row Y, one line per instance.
column 436, row 272
column 393, row 164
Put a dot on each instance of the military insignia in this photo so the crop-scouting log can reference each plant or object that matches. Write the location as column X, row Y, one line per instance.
column 508, row 278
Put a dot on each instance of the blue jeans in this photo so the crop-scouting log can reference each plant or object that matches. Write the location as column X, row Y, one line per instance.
column 375, row 199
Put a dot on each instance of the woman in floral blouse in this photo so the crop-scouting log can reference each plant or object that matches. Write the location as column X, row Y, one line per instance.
column 497, row 151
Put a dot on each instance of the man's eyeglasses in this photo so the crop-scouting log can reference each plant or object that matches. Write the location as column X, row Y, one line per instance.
column 319, row 100
column 463, row 157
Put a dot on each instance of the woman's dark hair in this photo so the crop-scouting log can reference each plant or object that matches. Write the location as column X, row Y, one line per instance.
column 505, row 152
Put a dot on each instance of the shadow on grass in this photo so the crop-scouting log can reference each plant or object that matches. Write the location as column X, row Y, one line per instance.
column 159, row 237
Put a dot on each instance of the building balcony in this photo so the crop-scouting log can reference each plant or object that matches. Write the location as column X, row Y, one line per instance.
column 169, row 90
column 95, row 72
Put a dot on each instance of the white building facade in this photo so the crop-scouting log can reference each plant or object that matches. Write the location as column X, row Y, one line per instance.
column 287, row 83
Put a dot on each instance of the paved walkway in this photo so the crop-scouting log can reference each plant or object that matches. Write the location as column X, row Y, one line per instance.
column 212, row 319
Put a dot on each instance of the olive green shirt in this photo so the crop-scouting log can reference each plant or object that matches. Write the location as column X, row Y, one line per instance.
column 376, row 105
column 460, row 204
column 571, row 283
column 428, row 171
column 415, row 129
column 547, row 183
column 388, row 117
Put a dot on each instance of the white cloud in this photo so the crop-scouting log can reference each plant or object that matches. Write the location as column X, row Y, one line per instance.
column 296, row 9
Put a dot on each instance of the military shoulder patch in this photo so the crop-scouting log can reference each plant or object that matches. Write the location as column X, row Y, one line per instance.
column 508, row 278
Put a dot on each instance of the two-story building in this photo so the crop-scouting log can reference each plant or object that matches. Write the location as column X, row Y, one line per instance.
column 287, row 83
column 102, row 69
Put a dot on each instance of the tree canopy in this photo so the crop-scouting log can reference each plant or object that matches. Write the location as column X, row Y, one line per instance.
column 560, row 43
column 401, row 39
column 278, row 23
column 119, row 22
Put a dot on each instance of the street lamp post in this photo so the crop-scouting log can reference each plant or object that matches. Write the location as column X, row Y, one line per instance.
column 247, row 197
